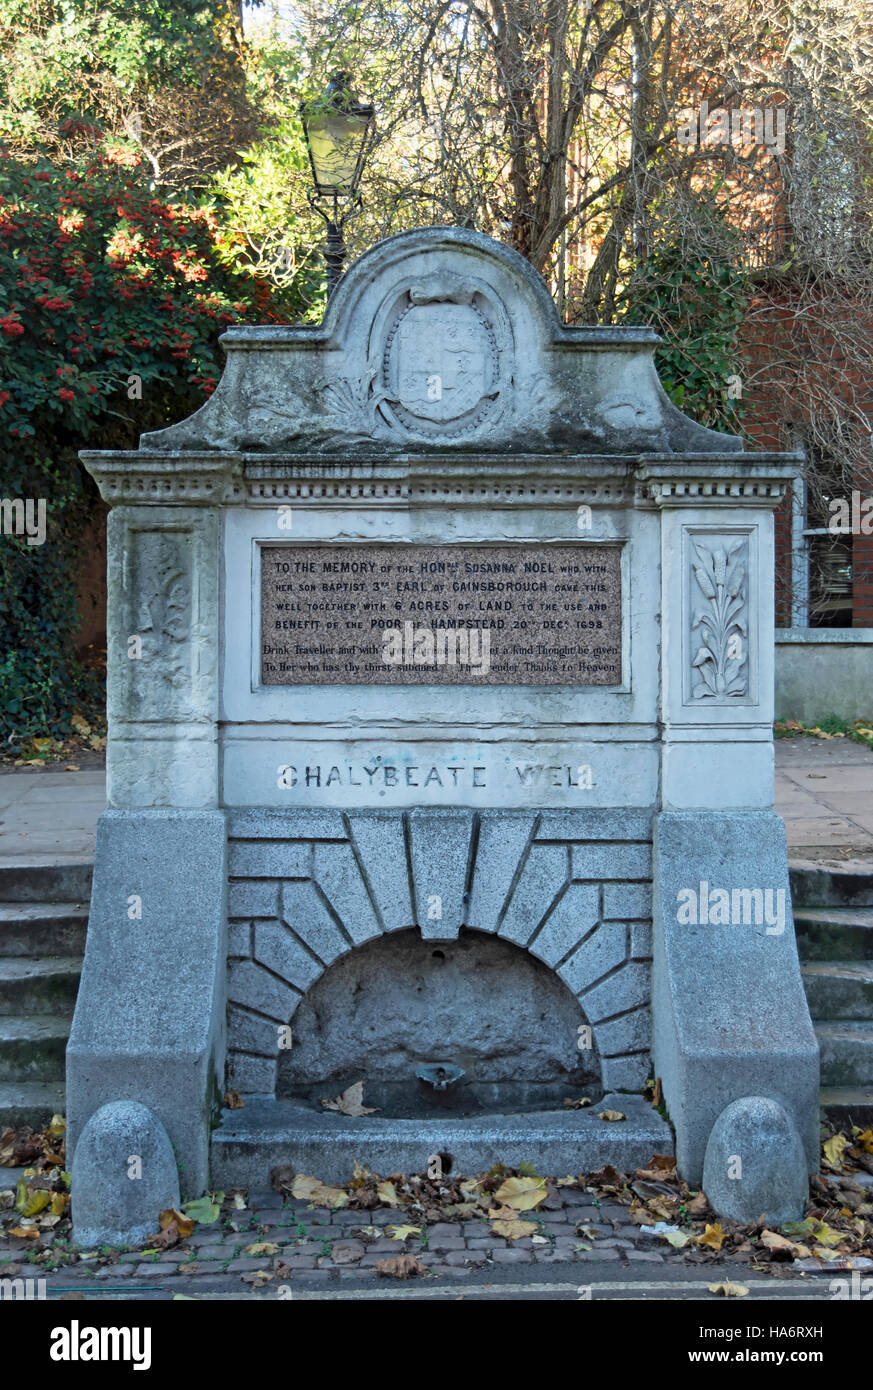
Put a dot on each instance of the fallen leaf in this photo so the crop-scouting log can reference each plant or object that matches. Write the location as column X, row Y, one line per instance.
column 613, row 1116
column 864, row 1140
column 698, row 1207
column 579, row 1104
column 513, row 1230
column 665, row 1162
column 57, row 1127
column 387, row 1193
column 833, row 1150
column 522, row 1194
column 185, row 1224
column 350, row 1102
column 234, row 1101
column 203, row 1210
column 728, row 1290
column 79, row 724
column 568, row 1181
column 239, row 1202
column 359, row 1177
column 262, row 1247
column 31, row 1200
column 400, row 1267
column 259, row 1276
column 25, row 1232
column 677, row 1239
column 308, row 1189
column 713, row 1236
column 403, row 1232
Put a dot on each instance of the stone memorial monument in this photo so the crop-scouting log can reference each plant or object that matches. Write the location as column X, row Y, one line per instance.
column 440, row 759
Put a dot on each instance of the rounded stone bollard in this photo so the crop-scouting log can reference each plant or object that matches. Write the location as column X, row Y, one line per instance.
column 124, row 1176
column 755, row 1164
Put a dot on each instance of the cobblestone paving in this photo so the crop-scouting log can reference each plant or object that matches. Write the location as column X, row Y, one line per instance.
column 316, row 1246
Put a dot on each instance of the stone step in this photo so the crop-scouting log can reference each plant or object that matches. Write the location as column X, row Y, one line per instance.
column 834, row 933
column 39, row 984
column 43, row 929
column 846, row 1053
column 817, row 885
column 848, row 1105
column 32, row 1047
column 266, row 1132
column 24, row 881
column 29, row 1103
column 839, row 989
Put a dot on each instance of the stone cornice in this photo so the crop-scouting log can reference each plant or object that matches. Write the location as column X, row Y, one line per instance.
column 144, row 478
column 756, row 480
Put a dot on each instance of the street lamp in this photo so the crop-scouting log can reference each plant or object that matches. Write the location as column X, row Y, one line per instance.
column 336, row 128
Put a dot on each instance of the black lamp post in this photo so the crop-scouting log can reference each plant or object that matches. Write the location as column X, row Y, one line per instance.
column 336, row 128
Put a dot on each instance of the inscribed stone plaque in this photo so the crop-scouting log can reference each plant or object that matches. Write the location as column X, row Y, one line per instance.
column 441, row 615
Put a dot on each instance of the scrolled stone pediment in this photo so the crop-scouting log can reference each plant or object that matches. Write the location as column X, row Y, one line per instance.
column 441, row 338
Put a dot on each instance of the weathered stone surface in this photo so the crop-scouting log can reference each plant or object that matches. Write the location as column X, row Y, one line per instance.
column 623, row 901
column 249, row 984
column 252, row 1140
column 574, row 915
column 124, row 1176
column 603, row 951
column 269, row 859
column 252, row 1075
column 626, row 989
column 337, row 874
column 630, row 1033
column 542, row 878
column 501, row 845
column 755, row 1164
column 249, row 1033
column 150, row 1014
column 305, row 913
column 625, row 1073
column 477, row 1002
column 380, row 844
column 516, row 392
column 276, row 948
column 731, row 1018
column 611, row 861
column 439, row 851
column 253, row 898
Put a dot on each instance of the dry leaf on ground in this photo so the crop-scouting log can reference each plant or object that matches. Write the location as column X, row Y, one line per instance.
column 613, row 1116
column 834, row 1149
column 350, row 1102
column 307, row 1189
column 387, row 1193
column 400, row 1267
column 402, row 1232
column 713, row 1236
column 513, row 1230
column 522, row 1194
column 728, row 1290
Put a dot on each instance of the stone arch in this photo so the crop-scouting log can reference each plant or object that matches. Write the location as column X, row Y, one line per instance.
column 571, row 888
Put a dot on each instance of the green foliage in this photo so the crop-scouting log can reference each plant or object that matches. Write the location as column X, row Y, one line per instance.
column 693, row 292
column 111, row 302
column 54, row 48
